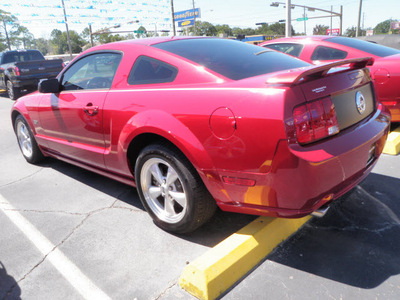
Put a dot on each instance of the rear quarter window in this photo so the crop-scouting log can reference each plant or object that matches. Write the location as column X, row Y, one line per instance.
column 147, row 70
column 288, row 48
column 328, row 53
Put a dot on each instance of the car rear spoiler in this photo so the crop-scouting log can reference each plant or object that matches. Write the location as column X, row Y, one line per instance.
column 296, row 77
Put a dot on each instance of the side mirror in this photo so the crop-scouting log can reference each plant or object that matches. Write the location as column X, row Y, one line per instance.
column 49, row 86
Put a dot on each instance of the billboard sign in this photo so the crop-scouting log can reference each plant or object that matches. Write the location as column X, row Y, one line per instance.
column 394, row 25
column 186, row 14
column 335, row 31
column 186, row 23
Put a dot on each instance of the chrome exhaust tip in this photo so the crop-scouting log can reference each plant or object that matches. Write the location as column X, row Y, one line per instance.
column 320, row 212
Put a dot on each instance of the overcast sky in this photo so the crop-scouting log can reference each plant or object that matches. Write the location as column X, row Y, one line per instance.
column 40, row 17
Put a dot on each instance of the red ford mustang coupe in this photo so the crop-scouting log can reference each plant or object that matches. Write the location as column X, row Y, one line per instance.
column 198, row 122
column 323, row 49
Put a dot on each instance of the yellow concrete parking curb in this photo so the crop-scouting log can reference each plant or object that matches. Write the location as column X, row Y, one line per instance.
column 392, row 145
column 218, row 269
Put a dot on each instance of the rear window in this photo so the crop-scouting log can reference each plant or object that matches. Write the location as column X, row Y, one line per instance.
column 368, row 47
column 232, row 59
column 16, row 56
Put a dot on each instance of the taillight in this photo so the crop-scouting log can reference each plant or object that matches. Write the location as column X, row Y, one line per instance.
column 315, row 120
column 16, row 71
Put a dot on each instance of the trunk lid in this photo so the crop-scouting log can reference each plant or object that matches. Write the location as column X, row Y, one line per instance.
column 347, row 83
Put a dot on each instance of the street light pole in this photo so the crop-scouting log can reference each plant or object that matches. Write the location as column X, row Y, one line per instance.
column 91, row 35
column 288, row 24
column 194, row 19
column 66, row 25
column 173, row 16
column 359, row 18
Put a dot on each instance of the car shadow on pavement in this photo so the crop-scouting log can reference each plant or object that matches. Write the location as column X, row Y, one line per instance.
column 357, row 243
column 219, row 227
column 9, row 287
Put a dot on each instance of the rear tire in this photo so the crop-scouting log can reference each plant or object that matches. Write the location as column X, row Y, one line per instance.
column 26, row 141
column 13, row 92
column 171, row 190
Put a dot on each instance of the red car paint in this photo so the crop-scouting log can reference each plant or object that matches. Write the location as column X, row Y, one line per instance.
column 384, row 70
column 238, row 134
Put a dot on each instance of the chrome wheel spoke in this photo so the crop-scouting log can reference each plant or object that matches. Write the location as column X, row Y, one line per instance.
column 157, row 174
column 179, row 197
column 172, row 176
column 169, row 206
column 154, row 192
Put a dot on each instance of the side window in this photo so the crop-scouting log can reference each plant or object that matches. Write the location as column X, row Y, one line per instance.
column 147, row 70
column 95, row 71
column 327, row 53
column 288, row 48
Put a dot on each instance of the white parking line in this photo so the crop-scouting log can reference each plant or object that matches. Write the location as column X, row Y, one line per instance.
column 71, row 273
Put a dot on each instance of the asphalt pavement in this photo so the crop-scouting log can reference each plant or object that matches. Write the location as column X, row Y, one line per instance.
column 67, row 233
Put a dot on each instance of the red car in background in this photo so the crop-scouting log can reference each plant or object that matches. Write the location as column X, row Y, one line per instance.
column 199, row 122
column 324, row 49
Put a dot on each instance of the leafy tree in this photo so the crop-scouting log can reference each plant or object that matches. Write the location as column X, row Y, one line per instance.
column 223, row 29
column 245, row 31
column 383, row 27
column 320, row 29
column 42, row 45
column 279, row 29
column 59, row 41
column 85, row 35
column 351, row 32
column 141, row 35
column 105, row 38
column 204, row 29
column 9, row 24
column 24, row 37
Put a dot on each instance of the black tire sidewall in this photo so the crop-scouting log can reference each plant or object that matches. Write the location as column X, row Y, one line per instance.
column 37, row 154
column 187, row 180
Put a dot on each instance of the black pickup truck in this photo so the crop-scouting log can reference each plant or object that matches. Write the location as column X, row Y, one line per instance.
column 23, row 69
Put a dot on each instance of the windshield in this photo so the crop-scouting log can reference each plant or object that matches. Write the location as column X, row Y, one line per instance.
column 232, row 59
column 368, row 47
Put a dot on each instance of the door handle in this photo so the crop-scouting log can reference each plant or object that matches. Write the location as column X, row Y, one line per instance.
column 90, row 109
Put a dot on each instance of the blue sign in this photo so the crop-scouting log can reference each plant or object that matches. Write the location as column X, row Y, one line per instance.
column 186, row 23
column 186, row 14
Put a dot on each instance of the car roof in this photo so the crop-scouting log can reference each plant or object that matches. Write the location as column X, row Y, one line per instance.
column 145, row 41
column 300, row 38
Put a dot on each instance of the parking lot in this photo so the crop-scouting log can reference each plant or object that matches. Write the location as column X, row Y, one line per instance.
column 69, row 233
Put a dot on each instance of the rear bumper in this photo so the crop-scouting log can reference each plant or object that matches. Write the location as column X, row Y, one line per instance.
column 303, row 178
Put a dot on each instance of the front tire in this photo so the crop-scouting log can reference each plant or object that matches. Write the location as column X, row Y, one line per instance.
column 171, row 190
column 13, row 92
column 26, row 141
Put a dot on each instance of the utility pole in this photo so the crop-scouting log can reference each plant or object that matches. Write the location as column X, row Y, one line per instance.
column 304, row 16
column 288, row 23
column 331, row 18
column 359, row 18
column 341, row 20
column 66, row 25
column 173, row 16
column 194, row 19
column 91, row 35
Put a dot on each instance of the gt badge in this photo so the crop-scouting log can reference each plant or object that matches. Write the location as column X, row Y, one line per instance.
column 360, row 102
